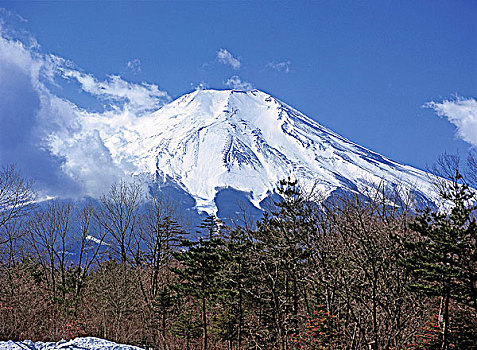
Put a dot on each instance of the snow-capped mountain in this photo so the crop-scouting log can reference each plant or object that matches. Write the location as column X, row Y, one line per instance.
column 209, row 140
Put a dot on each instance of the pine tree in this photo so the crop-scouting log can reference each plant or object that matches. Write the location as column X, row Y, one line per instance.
column 282, row 256
column 162, row 305
column 187, row 327
column 443, row 258
column 237, row 276
column 202, row 262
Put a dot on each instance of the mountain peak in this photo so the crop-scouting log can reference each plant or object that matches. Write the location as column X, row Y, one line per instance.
column 212, row 96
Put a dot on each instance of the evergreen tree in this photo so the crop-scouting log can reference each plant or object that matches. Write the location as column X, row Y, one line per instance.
column 187, row 327
column 162, row 305
column 282, row 252
column 237, row 275
column 443, row 258
column 202, row 262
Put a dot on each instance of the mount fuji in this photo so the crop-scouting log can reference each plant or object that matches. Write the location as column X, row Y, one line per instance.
column 210, row 141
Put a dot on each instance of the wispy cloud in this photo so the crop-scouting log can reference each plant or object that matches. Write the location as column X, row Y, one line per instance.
column 236, row 83
column 137, row 97
column 200, row 86
column 6, row 13
column 51, row 138
column 227, row 58
column 462, row 112
column 283, row 66
column 134, row 65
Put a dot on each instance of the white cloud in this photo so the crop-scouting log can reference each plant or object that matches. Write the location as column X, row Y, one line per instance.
column 134, row 65
column 461, row 112
column 200, row 86
column 137, row 98
column 227, row 58
column 236, row 83
column 280, row 66
column 62, row 146
column 6, row 13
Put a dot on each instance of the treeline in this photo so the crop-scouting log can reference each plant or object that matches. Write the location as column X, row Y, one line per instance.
column 358, row 272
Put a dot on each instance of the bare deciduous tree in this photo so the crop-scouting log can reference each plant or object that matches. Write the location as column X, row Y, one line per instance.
column 88, row 249
column 16, row 200
column 51, row 237
column 363, row 281
column 118, row 217
column 472, row 169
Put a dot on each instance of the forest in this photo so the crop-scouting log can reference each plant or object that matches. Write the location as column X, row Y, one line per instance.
column 357, row 272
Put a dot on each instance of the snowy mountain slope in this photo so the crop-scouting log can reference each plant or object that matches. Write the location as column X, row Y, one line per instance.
column 208, row 140
column 86, row 343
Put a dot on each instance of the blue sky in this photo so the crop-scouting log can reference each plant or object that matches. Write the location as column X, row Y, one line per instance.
column 362, row 68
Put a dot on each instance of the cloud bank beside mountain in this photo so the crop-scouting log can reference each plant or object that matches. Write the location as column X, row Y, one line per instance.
column 52, row 139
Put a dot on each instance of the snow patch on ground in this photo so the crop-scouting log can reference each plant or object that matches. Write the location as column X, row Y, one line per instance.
column 85, row 343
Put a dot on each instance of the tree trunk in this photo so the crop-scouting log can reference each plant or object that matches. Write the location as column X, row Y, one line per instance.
column 204, row 320
column 239, row 331
column 445, row 338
